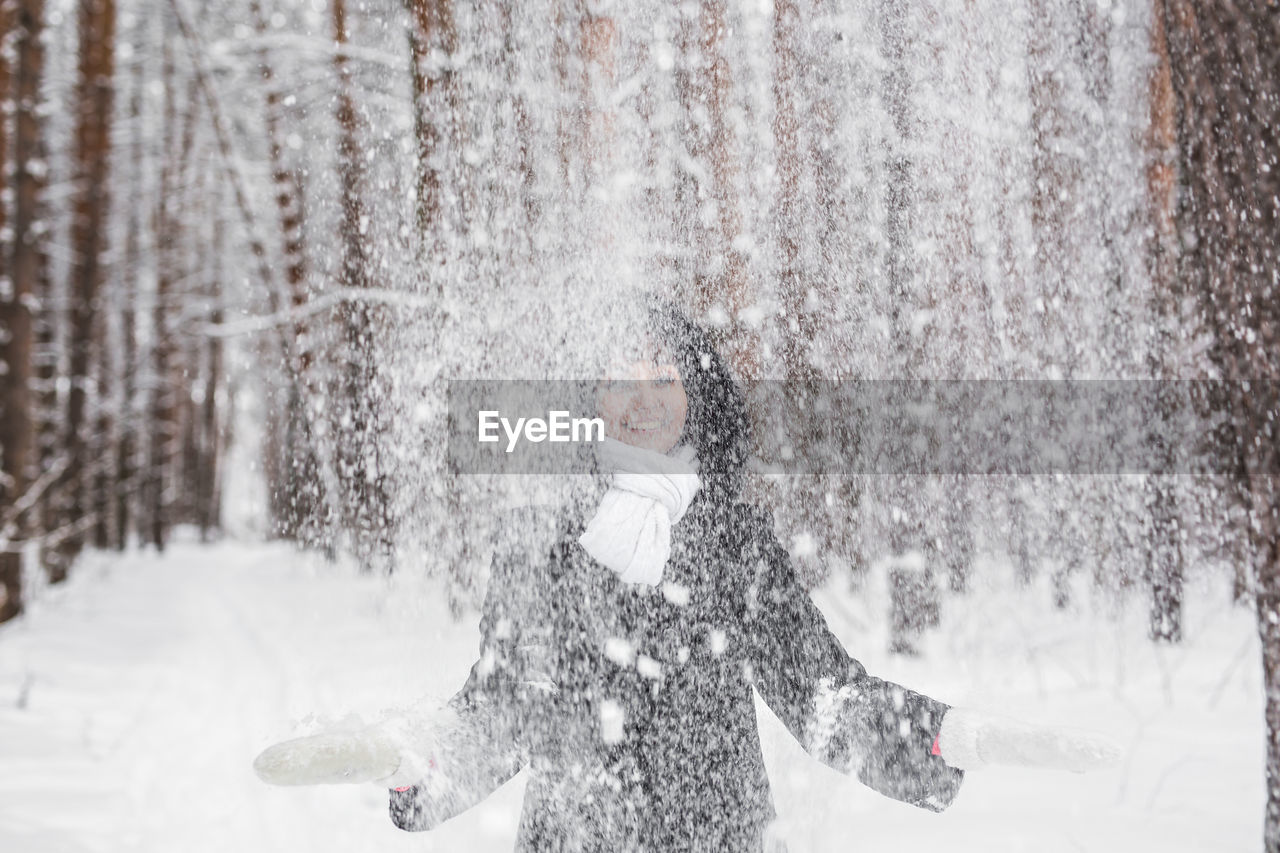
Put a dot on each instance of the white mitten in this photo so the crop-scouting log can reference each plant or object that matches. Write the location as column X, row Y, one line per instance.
column 393, row 753
column 970, row 739
column 329, row 758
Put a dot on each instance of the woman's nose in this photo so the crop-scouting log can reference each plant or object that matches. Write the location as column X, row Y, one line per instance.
column 643, row 396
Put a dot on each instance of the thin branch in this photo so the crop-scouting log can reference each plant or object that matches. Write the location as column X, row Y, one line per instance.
column 317, row 305
column 50, row 538
column 307, row 45
column 9, row 523
column 229, row 160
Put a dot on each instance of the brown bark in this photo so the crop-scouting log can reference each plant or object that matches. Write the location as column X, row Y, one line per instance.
column 909, row 528
column 900, row 220
column 101, row 475
column 355, row 261
column 807, row 507
column 1224, row 60
column 1165, row 563
column 431, row 35
column 598, row 47
column 28, row 182
column 1164, row 568
column 364, row 498
column 164, row 407
column 208, row 491
column 720, row 280
column 914, row 606
column 188, row 464
column 92, row 150
column 1059, row 204
column 206, row 411
column 47, row 411
column 285, row 182
column 18, row 470
column 792, row 284
column 126, row 465
column 15, row 361
column 18, row 434
column 299, row 500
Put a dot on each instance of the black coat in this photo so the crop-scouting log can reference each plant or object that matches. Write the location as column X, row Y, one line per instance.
column 632, row 706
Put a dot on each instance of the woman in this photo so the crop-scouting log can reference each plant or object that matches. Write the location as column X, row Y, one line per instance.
column 618, row 665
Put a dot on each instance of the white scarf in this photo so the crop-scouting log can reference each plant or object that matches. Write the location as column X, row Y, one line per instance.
column 649, row 492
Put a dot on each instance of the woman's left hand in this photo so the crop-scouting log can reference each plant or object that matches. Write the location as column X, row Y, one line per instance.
column 970, row 739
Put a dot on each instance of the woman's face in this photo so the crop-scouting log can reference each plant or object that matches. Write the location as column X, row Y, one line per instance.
column 643, row 403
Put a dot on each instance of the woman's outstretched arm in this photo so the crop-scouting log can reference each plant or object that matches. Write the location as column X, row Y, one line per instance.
column 482, row 745
column 437, row 759
column 884, row 733
column 474, row 753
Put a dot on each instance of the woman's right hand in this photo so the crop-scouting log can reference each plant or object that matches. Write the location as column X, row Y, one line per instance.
column 330, row 758
column 385, row 753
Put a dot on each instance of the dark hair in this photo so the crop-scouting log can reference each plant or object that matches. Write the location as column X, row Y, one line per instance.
column 717, row 421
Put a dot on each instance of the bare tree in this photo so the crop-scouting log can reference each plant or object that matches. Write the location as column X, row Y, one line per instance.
column 705, row 86
column 432, row 43
column 162, row 406
column 1164, row 545
column 15, row 365
column 299, row 499
column 212, row 429
column 365, row 507
column 126, row 514
column 1224, row 61
column 92, row 156
column 21, row 483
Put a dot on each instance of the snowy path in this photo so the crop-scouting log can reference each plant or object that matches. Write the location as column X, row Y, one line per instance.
column 133, row 698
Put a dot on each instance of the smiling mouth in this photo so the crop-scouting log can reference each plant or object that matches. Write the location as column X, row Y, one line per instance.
column 646, row 426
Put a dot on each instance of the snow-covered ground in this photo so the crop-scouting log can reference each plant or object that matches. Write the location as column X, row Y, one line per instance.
column 134, row 698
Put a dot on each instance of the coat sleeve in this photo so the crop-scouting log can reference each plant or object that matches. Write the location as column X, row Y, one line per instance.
column 482, row 747
column 854, row 722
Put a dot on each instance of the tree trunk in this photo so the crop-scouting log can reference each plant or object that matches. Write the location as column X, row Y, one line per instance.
column 206, row 489
column 365, row 506
column 208, row 496
column 899, row 225
column 126, row 464
column 100, row 475
column 300, row 500
column 1164, row 542
column 432, row 38
column 1164, row 555
column 1059, row 203
column 808, row 510
column 722, row 291
column 17, row 422
column 162, row 405
column 15, row 366
column 792, row 284
column 1224, row 60
column 92, row 150
column 910, row 521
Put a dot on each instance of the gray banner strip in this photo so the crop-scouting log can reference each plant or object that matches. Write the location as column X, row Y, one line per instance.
column 883, row 426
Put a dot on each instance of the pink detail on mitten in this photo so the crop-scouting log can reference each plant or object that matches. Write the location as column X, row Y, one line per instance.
column 431, row 763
